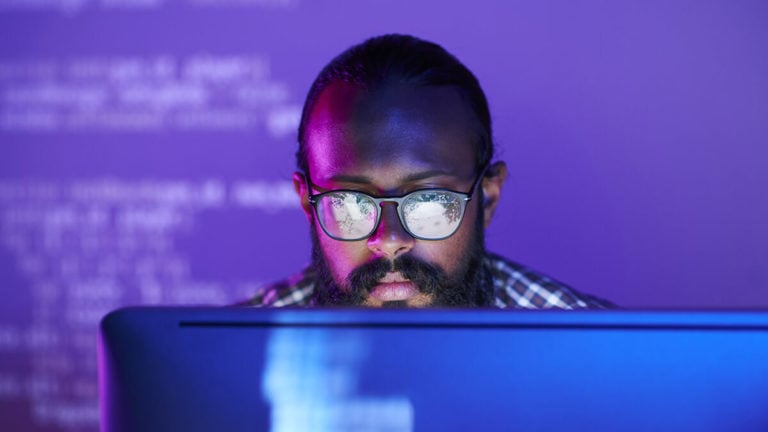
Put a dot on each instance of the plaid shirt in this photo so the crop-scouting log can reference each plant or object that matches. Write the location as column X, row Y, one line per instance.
column 515, row 286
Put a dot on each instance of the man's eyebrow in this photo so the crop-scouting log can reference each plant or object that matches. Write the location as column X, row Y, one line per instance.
column 361, row 179
column 349, row 178
column 428, row 174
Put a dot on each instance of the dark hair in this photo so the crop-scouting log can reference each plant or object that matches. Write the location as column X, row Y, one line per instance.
column 401, row 59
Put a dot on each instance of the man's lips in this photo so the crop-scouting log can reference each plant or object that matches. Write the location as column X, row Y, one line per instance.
column 392, row 277
column 394, row 287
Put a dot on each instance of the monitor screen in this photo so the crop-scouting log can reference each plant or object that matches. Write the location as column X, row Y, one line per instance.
column 240, row 369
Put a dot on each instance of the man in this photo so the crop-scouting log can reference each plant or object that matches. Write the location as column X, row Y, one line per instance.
column 397, row 182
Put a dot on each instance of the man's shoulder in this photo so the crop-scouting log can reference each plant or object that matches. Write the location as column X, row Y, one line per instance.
column 519, row 286
column 296, row 290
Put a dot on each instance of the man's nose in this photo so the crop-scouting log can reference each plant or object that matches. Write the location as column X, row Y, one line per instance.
column 390, row 238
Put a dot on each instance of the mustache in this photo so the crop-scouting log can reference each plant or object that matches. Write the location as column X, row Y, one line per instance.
column 424, row 275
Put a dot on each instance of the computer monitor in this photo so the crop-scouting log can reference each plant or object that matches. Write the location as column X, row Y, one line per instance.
column 243, row 369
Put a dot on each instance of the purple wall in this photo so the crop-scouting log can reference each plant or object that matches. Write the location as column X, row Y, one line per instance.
column 147, row 148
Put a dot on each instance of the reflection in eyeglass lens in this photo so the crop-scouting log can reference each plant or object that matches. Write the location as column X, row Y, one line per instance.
column 352, row 215
column 432, row 214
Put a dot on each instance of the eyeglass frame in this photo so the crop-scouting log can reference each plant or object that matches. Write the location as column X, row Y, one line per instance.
column 465, row 197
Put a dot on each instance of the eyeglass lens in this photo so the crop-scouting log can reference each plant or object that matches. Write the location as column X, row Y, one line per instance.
column 347, row 215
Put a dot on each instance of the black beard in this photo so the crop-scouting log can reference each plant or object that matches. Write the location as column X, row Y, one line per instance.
column 469, row 286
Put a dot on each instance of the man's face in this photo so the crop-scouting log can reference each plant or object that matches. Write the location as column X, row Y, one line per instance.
column 389, row 142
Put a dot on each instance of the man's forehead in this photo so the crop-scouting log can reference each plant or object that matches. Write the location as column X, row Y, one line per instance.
column 419, row 129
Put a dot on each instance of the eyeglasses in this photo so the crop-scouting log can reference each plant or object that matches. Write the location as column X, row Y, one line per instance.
column 426, row 214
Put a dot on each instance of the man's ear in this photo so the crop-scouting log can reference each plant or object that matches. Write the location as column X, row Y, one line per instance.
column 300, row 186
column 492, row 184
